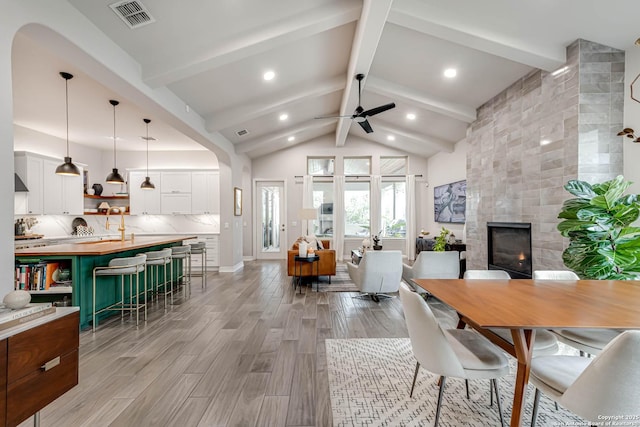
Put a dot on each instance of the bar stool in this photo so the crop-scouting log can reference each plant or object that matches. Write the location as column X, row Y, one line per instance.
column 182, row 257
column 155, row 260
column 200, row 248
column 122, row 267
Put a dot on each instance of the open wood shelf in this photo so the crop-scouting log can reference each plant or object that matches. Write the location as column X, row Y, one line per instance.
column 89, row 196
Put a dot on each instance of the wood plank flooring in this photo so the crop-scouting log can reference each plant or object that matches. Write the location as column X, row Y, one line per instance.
column 248, row 351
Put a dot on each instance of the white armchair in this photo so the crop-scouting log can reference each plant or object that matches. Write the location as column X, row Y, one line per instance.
column 432, row 265
column 378, row 272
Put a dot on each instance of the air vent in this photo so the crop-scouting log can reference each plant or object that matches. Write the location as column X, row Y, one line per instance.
column 242, row 132
column 133, row 13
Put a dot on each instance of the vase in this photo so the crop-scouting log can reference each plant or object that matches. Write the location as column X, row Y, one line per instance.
column 302, row 249
column 97, row 188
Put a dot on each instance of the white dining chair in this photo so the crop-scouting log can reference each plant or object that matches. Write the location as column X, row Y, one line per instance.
column 460, row 353
column 545, row 342
column 590, row 341
column 596, row 388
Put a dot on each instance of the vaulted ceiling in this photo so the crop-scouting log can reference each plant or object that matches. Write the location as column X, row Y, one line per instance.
column 213, row 56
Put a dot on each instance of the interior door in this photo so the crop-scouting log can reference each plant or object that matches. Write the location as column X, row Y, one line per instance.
column 270, row 220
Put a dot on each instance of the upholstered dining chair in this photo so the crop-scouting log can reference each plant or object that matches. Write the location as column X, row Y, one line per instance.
column 461, row 353
column 545, row 342
column 432, row 265
column 377, row 273
column 606, row 385
column 590, row 341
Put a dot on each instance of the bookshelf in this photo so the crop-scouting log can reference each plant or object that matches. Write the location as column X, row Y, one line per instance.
column 42, row 277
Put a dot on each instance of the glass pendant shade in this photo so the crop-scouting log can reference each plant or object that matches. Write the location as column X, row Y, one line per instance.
column 114, row 177
column 67, row 168
column 147, row 184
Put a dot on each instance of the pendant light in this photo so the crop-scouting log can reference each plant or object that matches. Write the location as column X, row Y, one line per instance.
column 67, row 168
column 147, row 184
column 114, row 177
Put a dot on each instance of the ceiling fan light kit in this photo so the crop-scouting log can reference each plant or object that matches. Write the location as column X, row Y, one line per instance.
column 360, row 115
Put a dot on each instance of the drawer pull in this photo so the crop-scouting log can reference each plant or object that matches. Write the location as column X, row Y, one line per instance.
column 50, row 364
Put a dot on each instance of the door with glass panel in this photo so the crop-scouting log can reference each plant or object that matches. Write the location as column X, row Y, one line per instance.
column 270, row 220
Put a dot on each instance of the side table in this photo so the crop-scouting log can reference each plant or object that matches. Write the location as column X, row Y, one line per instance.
column 298, row 262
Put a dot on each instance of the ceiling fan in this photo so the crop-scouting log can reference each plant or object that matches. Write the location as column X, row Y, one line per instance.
column 360, row 115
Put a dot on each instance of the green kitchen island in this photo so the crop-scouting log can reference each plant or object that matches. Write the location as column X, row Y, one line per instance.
column 80, row 259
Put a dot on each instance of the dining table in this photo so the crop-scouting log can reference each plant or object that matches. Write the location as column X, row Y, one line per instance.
column 526, row 305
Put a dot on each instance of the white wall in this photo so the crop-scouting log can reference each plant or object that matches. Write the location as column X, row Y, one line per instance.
column 443, row 168
column 286, row 164
column 631, row 149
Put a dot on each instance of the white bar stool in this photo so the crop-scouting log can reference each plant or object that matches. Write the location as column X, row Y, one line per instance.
column 182, row 257
column 200, row 248
column 156, row 260
column 122, row 267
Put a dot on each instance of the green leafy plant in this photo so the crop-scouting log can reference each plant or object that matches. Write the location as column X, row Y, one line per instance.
column 441, row 240
column 603, row 244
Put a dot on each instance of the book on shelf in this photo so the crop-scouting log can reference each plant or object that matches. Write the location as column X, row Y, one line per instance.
column 37, row 276
column 10, row 318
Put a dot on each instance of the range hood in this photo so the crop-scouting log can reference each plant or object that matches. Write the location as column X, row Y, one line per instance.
column 19, row 185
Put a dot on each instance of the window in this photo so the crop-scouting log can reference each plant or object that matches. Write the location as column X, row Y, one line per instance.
column 357, row 166
column 323, row 201
column 320, row 165
column 357, row 215
column 393, row 202
column 393, row 165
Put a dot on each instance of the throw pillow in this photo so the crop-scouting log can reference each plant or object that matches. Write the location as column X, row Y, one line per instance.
column 314, row 242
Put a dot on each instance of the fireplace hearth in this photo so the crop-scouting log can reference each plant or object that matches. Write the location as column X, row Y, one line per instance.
column 509, row 245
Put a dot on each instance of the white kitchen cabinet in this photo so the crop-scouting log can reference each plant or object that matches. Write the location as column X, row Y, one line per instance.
column 144, row 202
column 175, row 203
column 175, row 182
column 61, row 194
column 29, row 169
column 205, row 192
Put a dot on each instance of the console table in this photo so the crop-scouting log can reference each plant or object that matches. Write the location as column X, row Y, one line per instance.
column 38, row 364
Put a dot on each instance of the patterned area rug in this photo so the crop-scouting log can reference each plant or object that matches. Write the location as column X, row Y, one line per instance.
column 369, row 381
column 341, row 282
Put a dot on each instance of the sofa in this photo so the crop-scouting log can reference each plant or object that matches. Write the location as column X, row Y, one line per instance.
column 326, row 263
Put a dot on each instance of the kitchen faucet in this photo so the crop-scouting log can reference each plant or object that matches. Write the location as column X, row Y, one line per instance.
column 121, row 228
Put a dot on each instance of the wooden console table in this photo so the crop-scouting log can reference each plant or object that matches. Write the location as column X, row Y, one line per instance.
column 38, row 364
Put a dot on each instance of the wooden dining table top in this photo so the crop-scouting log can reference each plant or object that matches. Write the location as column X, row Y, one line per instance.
column 549, row 304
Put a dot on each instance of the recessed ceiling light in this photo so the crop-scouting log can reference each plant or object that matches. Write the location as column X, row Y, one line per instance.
column 391, row 138
column 411, row 116
column 291, row 138
column 284, row 116
column 450, row 73
column 269, row 75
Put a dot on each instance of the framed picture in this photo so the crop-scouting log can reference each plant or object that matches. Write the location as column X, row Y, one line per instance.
column 237, row 201
column 450, row 202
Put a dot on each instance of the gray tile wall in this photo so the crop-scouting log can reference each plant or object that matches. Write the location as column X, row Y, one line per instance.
column 532, row 138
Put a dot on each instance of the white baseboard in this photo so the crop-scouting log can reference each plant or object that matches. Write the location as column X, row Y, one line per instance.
column 248, row 258
column 232, row 269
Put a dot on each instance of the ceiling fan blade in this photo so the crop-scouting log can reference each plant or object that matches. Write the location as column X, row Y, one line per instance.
column 378, row 110
column 366, row 126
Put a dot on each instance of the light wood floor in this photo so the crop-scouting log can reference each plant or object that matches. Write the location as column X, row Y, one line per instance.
column 247, row 351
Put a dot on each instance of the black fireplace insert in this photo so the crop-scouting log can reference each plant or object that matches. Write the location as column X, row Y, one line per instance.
column 509, row 245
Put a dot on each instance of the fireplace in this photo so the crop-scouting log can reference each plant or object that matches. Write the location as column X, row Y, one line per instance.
column 509, row 245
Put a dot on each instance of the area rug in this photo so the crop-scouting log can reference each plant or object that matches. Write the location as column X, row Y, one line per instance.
column 341, row 282
column 369, row 382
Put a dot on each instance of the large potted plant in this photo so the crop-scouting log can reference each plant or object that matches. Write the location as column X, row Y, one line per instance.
column 603, row 244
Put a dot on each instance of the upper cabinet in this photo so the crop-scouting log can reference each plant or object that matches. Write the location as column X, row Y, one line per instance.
column 144, row 202
column 176, row 192
column 49, row 193
column 205, row 192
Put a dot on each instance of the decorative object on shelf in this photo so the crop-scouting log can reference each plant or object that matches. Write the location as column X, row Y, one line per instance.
column 16, row 299
column 441, row 241
column 602, row 243
column 67, row 168
column 366, row 244
column 628, row 132
column 114, row 177
column 237, row 201
column 97, row 188
column 376, row 244
column 147, row 184
column 450, row 201
column 103, row 207
column 451, row 239
column 308, row 214
column 91, row 191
